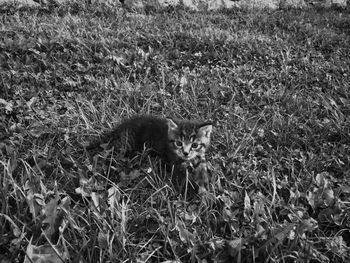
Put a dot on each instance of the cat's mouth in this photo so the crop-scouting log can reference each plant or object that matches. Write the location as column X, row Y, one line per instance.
column 186, row 158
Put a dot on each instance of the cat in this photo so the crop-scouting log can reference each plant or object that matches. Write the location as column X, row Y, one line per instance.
column 181, row 144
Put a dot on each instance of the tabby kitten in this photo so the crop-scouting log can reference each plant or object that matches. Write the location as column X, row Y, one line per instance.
column 181, row 144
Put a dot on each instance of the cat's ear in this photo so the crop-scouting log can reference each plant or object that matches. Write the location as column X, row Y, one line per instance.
column 171, row 124
column 206, row 129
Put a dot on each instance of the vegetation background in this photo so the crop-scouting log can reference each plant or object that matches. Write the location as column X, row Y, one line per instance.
column 276, row 83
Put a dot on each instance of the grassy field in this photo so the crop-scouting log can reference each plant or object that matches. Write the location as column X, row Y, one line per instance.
column 275, row 83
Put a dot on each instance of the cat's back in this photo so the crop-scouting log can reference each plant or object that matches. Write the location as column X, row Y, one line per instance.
column 134, row 134
column 143, row 124
column 143, row 130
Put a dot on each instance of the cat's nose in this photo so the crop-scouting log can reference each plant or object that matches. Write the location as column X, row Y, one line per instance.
column 186, row 153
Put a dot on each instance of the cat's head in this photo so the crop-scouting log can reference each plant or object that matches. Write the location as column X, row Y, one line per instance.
column 189, row 139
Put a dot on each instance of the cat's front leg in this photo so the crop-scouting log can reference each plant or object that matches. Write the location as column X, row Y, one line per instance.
column 201, row 174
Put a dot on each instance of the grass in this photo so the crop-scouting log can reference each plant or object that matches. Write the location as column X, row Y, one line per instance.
column 275, row 83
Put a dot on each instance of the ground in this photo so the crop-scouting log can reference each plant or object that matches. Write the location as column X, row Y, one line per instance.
column 275, row 83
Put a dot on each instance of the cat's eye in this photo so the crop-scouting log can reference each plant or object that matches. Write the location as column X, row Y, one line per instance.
column 178, row 144
column 195, row 145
